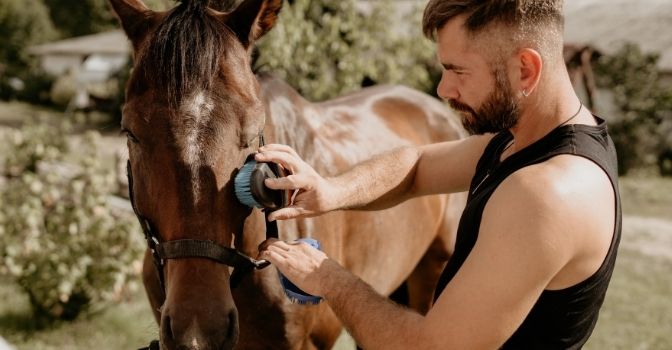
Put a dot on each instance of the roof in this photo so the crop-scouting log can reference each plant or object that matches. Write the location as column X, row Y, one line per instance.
column 607, row 24
column 112, row 42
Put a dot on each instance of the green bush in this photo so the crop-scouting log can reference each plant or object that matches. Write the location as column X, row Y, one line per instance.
column 37, row 142
column 37, row 87
column 61, row 241
column 325, row 48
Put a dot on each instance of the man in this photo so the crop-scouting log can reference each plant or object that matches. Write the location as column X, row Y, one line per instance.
column 537, row 240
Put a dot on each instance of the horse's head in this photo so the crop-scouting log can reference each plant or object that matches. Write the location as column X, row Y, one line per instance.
column 192, row 114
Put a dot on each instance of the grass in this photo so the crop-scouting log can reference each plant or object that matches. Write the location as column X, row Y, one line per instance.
column 126, row 325
column 647, row 196
column 637, row 313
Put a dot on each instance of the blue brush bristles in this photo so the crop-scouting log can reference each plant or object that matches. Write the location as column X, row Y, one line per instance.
column 243, row 185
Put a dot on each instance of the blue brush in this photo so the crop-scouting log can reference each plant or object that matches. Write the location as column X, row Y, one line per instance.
column 250, row 189
column 243, row 186
column 293, row 292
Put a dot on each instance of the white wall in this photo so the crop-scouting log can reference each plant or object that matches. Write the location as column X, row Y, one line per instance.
column 60, row 64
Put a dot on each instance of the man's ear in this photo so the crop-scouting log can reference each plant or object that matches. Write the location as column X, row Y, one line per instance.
column 135, row 17
column 253, row 18
column 530, row 65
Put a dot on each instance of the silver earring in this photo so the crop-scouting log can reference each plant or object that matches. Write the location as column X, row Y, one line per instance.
column 525, row 93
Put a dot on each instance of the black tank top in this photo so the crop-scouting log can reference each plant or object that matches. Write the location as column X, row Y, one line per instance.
column 560, row 319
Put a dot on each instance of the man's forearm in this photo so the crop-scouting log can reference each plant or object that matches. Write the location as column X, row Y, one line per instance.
column 381, row 182
column 373, row 320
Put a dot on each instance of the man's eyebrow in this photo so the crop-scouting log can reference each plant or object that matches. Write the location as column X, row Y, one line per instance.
column 450, row 66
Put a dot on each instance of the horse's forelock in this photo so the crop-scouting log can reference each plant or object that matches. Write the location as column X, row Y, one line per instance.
column 184, row 54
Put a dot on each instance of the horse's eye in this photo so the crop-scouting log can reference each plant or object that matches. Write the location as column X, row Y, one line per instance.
column 130, row 136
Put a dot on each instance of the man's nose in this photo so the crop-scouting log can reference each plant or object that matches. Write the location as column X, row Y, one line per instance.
column 447, row 89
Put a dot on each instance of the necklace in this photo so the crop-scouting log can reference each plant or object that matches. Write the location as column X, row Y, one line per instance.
column 572, row 117
column 487, row 175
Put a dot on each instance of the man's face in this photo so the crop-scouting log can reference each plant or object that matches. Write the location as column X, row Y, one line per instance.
column 480, row 93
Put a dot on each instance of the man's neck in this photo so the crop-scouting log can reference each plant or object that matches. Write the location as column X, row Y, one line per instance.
column 546, row 109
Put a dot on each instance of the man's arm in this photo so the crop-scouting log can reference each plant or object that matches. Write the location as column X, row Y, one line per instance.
column 533, row 229
column 381, row 182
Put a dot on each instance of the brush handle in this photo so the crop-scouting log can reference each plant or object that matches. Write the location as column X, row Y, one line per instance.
column 293, row 292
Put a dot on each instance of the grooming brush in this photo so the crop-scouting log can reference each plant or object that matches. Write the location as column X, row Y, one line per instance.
column 250, row 189
column 293, row 292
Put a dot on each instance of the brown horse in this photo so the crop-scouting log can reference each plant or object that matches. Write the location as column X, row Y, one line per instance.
column 193, row 111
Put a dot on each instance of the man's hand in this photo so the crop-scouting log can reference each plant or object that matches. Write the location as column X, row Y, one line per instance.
column 313, row 194
column 308, row 268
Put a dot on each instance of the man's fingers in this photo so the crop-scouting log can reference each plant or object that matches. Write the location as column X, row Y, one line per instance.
column 286, row 160
column 280, row 148
column 291, row 182
column 272, row 256
column 286, row 213
column 264, row 245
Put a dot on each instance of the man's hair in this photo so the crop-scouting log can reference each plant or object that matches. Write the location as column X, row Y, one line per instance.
column 536, row 22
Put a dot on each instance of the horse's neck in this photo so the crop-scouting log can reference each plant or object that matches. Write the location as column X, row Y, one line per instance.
column 331, row 136
column 294, row 121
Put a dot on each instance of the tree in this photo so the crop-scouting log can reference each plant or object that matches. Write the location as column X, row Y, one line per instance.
column 325, row 48
column 641, row 134
column 22, row 23
column 89, row 16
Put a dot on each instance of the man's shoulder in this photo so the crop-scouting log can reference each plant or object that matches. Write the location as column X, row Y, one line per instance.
column 562, row 178
column 564, row 200
column 557, row 194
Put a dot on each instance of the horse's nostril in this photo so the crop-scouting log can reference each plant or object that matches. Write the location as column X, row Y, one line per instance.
column 232, row 331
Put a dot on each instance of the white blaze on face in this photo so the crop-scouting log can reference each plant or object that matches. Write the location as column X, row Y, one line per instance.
column 194, row 116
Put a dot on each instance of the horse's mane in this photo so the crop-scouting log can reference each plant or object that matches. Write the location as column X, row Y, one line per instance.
column 184, row 54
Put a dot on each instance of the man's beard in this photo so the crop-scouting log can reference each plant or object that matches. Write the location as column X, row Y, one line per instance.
column 499, row 111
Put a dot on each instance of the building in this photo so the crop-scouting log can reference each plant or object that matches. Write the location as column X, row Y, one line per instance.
column 607, row 24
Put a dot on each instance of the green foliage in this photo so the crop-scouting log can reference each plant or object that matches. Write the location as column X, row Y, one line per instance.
column 37, row 87
column 87, row 17
column 325, row 48
column 22, row 23
column 642, row 134
column 60, row 239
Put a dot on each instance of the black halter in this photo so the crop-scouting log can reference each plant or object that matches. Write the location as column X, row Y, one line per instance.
column 192, row 248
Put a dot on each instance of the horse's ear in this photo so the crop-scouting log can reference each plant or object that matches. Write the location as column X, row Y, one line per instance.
column 135, row 18
column 253, row 18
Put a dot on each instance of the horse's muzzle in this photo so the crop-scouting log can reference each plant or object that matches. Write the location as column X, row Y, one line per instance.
column 190, row 334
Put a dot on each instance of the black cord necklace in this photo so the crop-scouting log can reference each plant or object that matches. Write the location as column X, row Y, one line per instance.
column 572, row 117
column 559, row 125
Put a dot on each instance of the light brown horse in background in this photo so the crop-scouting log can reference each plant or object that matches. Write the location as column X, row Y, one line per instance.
column 193, row 111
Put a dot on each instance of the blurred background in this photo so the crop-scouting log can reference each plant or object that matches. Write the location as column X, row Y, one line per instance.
column 70, row 247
